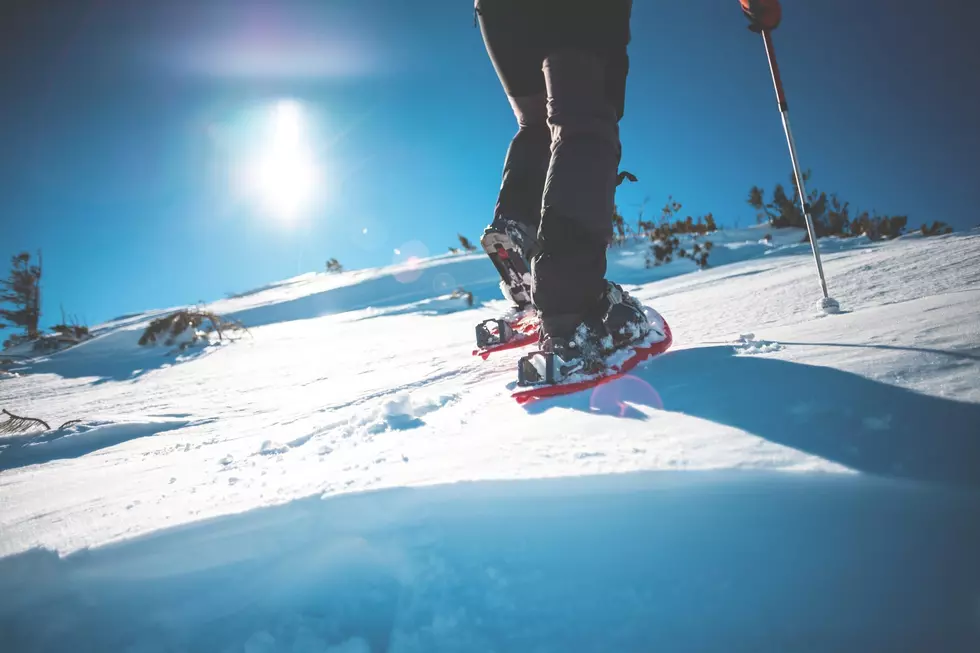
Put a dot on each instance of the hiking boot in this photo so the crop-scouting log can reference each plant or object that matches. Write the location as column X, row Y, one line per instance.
column 624, row 320
column 510, row 246
column 574, row 343
column 617, row 319
column 519, row 233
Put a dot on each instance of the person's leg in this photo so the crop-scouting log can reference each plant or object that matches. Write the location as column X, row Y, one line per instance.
column 511, row 32
column 585, row 73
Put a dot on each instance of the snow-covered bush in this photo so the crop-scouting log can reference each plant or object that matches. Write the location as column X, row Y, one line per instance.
column 187, row 328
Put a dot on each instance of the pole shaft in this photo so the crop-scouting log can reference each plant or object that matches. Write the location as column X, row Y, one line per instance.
column 791, row 142
column 777, row 79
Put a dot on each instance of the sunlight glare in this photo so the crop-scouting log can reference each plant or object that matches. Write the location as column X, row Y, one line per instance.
column 285, row 174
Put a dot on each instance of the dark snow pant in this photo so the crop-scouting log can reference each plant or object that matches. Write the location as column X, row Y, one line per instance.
column 563, row 65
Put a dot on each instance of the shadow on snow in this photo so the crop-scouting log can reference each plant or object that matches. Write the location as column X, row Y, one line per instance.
column 114, row 356
column 715, row 561
column 863, row 424
column 74, row 441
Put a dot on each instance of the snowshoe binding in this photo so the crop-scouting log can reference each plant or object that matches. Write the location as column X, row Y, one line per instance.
column 559, row 358
column 516, row 329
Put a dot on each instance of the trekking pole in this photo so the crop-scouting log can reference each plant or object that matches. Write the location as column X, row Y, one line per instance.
column 828, row 303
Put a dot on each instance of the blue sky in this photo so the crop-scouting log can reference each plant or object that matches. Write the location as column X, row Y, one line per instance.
column 126, row 126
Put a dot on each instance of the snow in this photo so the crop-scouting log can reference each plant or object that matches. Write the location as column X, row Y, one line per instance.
column 347, row 477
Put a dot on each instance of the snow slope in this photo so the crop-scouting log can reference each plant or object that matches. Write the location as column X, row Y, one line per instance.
column 348, row 477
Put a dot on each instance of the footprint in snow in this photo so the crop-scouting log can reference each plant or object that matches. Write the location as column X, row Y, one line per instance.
column 401, row 412
column 747, row 345
column 270, row 448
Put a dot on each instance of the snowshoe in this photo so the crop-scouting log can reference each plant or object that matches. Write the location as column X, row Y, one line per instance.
column 618, row 322
column 510, row 248
column 561, row 371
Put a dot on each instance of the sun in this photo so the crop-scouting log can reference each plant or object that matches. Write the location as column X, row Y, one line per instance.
column 284, row 174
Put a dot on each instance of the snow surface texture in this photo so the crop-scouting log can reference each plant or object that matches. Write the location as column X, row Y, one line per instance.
column 348, row 478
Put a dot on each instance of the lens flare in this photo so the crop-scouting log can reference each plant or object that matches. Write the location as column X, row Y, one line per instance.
column 444, row 283
column 409, row 258
column 619, row 396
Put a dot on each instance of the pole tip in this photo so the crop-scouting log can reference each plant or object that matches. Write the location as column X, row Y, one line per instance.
column 830, row 305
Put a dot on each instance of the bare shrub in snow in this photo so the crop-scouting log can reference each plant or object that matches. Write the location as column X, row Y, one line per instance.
column 48, row 344
column 187, row 328
column 16, row 340
column 662, row 249
column 65, row 335
column 465, row 243
column 21, row 424
column 937, row 229
column 619, row 226
column 666, row 244
column 463, row 294
column 877, row 227
column 76, row 331
column 830, row 215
